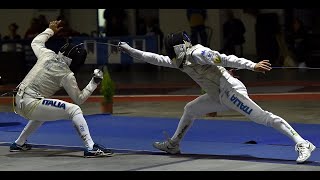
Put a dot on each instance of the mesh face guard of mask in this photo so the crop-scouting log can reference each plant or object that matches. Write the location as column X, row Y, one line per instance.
column 174, row 39
column 76, row 53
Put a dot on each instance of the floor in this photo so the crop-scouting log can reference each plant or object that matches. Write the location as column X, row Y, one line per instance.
column 72, row 160
column 66, row 159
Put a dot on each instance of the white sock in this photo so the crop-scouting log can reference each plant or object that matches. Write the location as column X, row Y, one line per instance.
column 28, row 129
column 83, row 130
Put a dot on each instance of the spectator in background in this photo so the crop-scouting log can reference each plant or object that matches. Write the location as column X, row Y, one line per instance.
column 34, row 29
column 13, row 35
column 43, row 22
column 150, row 26
column 296, row 42
column 197, row 18
column 153, row 28
column 141, row 28
column 233, row 34
column 114, row 22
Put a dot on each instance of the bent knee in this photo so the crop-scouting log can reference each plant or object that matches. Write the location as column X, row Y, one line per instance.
column 190, row 110
column 74, row 110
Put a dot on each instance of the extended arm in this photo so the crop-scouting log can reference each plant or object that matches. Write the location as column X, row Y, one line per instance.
column 208, row 56
column 148, row 57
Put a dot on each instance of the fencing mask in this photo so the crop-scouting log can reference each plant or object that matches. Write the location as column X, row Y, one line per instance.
column 76, row 53
column 174, row 39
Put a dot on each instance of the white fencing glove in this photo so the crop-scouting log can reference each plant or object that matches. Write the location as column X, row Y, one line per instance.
column 135, row 53
column 124, row 47
column 97, row 76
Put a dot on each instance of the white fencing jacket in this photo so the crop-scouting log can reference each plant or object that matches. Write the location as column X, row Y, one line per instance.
column 203, row 65
column 51, row 73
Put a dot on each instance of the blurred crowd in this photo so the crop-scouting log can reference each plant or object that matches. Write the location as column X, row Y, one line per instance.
column 37, row 25
column 288, row 48
column 115, row 25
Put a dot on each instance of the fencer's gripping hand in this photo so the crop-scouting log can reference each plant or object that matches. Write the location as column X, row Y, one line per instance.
column 54, row 25
column 97, row 76
column 263, row 66
column 124, row 47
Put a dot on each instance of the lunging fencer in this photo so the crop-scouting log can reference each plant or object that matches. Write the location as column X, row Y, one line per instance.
column 223, row 91
column 51, row 73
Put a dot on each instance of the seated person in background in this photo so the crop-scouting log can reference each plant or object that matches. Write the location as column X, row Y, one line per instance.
column 13, row 35
column 296, row 40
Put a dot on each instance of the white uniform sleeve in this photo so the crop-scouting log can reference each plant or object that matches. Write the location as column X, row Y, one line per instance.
column 158, row 60
column 70, row 84
column 152, row 58
column 38, row 43
column 207, row 56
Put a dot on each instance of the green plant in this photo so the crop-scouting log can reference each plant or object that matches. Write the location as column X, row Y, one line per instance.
column 107, row 87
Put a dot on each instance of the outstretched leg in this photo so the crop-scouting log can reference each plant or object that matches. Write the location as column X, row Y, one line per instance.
column 238, row 99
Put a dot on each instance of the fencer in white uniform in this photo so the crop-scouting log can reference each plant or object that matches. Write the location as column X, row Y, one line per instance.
column 223, row 91
column 51, row 73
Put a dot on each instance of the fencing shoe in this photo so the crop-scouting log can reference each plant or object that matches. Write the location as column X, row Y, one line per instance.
column 167, row 146
column 14, row 147
column 304, row 149
column 97, row 151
